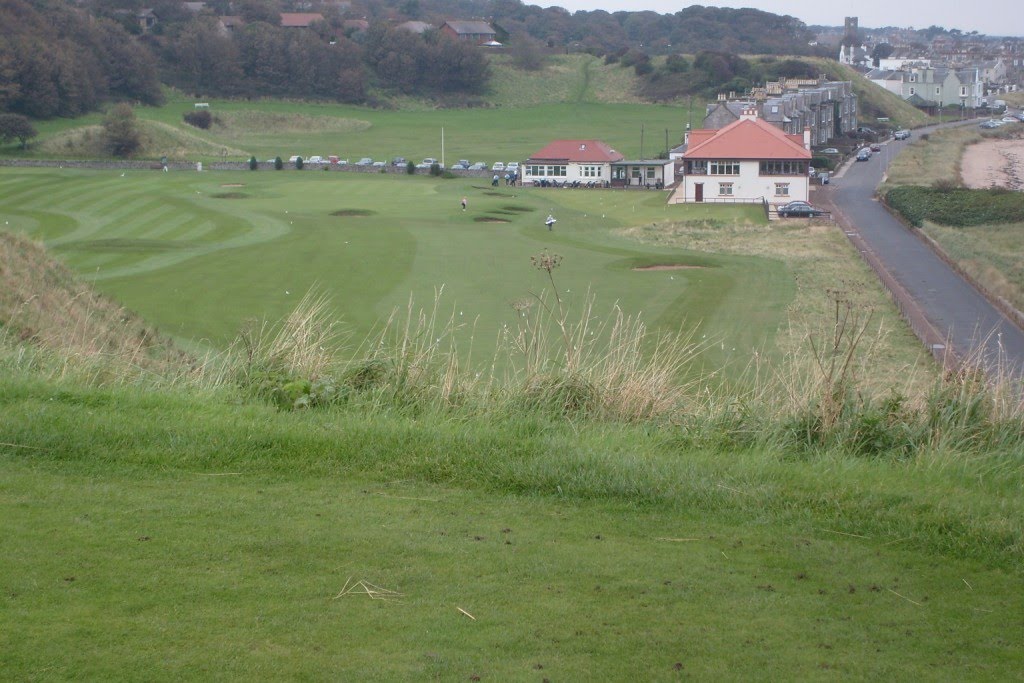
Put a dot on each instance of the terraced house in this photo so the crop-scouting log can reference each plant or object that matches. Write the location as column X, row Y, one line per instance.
column 929, row 87
column 828, row 109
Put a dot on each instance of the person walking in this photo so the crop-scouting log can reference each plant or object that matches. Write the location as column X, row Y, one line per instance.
column 464, row 203
column 550, row 222
column 494, row 180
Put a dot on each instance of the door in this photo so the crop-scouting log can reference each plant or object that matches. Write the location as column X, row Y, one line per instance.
column 698, row 192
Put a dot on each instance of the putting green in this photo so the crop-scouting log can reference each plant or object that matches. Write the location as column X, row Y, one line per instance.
column 200, row 253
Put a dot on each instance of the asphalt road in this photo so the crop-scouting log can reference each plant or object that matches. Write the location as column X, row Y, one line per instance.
column 973, row 327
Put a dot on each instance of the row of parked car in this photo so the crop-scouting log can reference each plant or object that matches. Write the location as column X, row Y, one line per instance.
column 996, row 123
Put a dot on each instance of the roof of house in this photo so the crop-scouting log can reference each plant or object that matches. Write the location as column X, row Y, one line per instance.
column 747, row 138
column 358, row 24
column 232, row 20
column 299, row 19
column 470, row 27
column 579, row 151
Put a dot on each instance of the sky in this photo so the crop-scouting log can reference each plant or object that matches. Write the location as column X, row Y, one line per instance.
column 993, row 17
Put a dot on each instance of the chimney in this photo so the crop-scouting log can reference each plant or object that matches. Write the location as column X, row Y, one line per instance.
column 807, row 139
column 583, row 148
column 721, row 97
column 749, row 113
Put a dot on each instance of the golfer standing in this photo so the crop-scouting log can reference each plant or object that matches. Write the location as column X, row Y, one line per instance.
column 463, row 203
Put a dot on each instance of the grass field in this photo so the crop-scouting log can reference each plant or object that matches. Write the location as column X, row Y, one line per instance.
column 163, row 535
column 199, row 254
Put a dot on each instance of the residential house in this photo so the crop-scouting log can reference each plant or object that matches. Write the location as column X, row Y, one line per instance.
column 476, row 32
column 748, row 160
column 146, row 18
column 993, row 72
column 933, row 86
column 230, row 23
column 827, row 108
column 571, row 160
column 299, row 19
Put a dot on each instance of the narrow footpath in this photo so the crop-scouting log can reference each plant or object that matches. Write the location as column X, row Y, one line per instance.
column 960, row 316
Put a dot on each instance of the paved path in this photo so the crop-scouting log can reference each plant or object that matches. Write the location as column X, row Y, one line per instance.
column 956, row 310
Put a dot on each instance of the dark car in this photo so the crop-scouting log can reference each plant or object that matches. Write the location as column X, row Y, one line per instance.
column 876, row 147
column 398, row 161
column 864, row 155
column 799, row 210
column 902, row 134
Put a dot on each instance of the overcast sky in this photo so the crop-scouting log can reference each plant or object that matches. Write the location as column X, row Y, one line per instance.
column 992, row 17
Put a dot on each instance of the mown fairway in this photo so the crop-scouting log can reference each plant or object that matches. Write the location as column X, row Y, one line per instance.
column 199, row 254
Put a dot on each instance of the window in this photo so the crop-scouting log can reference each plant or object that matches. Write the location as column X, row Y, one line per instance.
column 781, row 189
column 963, row 91
column 725, row 189
column 555, row 171
column 786, row 167
column 697, row 167
column 591, row 171
column 913, row 92
column 635, row 171
column 938, row 90
column 724, row 168
column 535, row 170
column 650, row 173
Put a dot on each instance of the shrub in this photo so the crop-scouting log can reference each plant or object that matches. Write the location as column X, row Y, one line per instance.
column 435, row 169
column 278, row 163
column 410, row 168
column 956, row 206
column 253, row 164
column 298, row 163
column 200, row 119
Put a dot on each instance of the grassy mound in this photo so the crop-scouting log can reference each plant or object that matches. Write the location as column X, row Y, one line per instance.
column 44, row 305
column 247, row 121
column 158, row 139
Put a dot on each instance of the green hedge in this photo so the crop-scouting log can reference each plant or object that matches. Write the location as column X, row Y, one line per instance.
column 958, row 207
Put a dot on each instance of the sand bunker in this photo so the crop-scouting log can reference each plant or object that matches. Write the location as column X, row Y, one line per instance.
column 669, row 266
column 994, row 163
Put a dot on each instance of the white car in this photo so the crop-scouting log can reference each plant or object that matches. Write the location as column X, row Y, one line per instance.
column 292, row 159
column 498, row 166
column 512, row 166
column 316, row 159
column 365, row 161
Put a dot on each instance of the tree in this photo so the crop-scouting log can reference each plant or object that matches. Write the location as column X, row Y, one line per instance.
column 253, row 164
column 278, row 163
column 16, row 127
column 528, row 54
column 121, row 134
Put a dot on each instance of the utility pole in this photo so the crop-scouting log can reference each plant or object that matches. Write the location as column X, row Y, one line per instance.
column 641, row 142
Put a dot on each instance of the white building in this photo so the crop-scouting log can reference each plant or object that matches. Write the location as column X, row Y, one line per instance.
column 748, row 160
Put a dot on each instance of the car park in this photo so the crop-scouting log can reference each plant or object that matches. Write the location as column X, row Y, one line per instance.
column 365, row 161
column 799, row 210
column 829, row 150
column 901, row 134
column 498, row 166
column 864, row 154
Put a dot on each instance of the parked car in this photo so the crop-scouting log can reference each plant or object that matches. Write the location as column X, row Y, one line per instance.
column 479, row 166
column 464, row 162
column 293, row 158
column 498, row 166
column 903, row 134
column 800, row 210
column 512, row 166
column 380, row 164
column 365, row 161
column 829, row 150
column 811, row 171
column 1010, row 119
column 428, row 162
column 399, row 161
column 316, row 159
column 864, row 154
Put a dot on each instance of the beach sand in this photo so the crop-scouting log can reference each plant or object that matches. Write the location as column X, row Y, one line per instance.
column 998, row 163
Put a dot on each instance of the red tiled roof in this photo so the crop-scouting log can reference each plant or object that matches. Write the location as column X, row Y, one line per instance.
column 746, row 139
column 299, row 19
column 579, row 151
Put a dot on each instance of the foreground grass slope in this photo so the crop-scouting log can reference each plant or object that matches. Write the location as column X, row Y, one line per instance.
column 175, row 536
